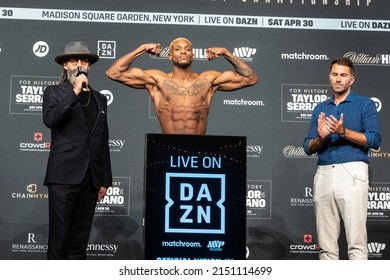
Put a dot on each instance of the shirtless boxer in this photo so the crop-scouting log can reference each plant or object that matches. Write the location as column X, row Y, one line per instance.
column 181, row 98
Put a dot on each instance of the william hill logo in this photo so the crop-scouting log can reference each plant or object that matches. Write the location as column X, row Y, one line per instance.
column 216, row 245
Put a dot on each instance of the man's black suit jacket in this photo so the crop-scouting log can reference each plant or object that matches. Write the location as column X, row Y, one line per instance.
column 74, row 147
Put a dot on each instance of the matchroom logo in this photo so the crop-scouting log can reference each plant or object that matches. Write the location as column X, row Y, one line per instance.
column 195, row 203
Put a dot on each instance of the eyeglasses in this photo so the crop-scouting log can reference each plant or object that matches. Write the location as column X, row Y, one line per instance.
column 75, row 61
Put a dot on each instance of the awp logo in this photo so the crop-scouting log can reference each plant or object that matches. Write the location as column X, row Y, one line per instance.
column 375, row 247
column 195, row 203
column 215, row 245
column 245, row 53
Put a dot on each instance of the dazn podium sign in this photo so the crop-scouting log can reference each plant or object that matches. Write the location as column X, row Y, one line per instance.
column 195, row 193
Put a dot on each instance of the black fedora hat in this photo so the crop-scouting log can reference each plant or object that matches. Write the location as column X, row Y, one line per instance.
column 76, row 49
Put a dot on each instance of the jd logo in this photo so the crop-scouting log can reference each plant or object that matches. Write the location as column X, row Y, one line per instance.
column 41, row 49
column 195, row 203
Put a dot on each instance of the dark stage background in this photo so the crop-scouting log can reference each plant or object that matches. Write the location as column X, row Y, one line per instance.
column 288, row 43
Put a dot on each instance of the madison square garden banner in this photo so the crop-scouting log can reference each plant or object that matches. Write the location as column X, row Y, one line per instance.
column 289, row 44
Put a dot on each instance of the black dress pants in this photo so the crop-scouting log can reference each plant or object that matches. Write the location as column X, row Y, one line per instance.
column 71, row 212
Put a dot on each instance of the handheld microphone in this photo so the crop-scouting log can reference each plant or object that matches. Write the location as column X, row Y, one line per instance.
column 82, row 71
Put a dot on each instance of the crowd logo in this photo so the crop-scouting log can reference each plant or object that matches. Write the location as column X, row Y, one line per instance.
column 41, row 49
column 198, row 198
column 307, row 238
column 37, row 146
column 308, row 246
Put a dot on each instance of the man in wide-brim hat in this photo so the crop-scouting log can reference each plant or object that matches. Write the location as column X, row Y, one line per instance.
column 79, row 168
column 75, row 51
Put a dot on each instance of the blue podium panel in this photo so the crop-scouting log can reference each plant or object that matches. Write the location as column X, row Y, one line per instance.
column 195, row 194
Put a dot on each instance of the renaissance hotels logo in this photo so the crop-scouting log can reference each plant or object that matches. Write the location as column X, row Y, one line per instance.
column 195, row 203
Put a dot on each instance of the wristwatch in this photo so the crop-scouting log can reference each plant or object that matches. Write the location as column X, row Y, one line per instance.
column 342, row 134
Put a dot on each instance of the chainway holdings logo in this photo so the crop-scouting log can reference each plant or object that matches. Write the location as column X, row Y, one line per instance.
column 32, row 192
column 198, row 197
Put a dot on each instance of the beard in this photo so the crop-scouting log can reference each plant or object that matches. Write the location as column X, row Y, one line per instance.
column 182, row 63
column 340, row 89
column 71, row 75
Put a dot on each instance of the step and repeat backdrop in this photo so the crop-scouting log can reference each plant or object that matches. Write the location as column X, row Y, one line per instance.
column 289, row 44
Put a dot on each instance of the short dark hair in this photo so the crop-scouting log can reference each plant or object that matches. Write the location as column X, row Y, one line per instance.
column 345, row 61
